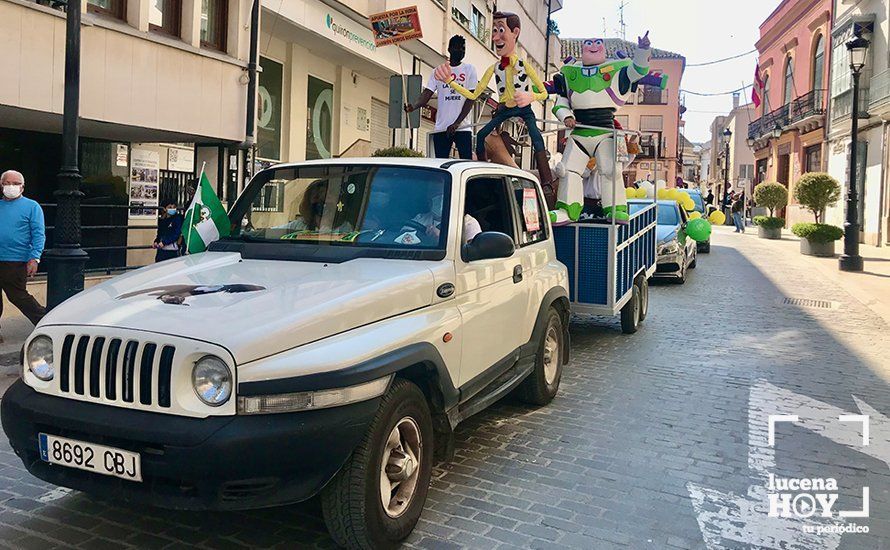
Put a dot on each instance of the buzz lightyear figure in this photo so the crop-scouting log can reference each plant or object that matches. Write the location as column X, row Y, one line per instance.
column 589, row 94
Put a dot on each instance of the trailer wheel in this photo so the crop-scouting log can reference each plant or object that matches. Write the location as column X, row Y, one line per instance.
column 630, row 313
column 644, row 297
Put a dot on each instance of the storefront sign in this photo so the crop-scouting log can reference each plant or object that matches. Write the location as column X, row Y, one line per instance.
column 145, row 166
column 395, row 26
column 356, row 36
column 181, row 160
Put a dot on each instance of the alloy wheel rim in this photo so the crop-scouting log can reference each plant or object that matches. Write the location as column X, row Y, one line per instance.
column 551, row 355
column 400, row 467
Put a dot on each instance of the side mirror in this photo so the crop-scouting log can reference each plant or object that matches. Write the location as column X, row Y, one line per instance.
column 487, row 246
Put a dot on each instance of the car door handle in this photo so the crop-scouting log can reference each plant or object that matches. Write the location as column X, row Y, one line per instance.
column 517, row 274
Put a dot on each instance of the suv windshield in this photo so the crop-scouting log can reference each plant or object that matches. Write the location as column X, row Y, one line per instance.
column 357, row 205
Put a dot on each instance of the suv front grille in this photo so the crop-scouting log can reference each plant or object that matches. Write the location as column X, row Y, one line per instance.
column 132, row 370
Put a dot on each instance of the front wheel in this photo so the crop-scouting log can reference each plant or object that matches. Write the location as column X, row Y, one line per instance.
column 540, row 387
column 375, row 500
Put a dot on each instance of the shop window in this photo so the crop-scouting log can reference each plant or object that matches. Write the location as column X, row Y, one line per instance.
column 269, row 110
column 813, row 158
column 214, row 20
column 165, row 16
column 320, row 119
column 111, row 8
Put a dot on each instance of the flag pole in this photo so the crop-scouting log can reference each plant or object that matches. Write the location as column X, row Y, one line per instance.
column 192, row 206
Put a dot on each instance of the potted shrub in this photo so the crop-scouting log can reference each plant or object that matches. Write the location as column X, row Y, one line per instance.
column 770, row 195
column 396, row 152
column 817, row 239
column 816, row 191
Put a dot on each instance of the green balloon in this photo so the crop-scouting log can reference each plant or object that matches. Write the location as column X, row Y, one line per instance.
column 698, row 229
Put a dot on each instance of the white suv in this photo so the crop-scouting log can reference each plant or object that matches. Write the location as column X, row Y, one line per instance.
column 330, row 346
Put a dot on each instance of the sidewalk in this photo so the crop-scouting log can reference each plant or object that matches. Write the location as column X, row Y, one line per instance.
column 871, row 287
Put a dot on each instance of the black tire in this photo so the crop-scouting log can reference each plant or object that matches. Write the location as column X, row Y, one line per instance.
column 694, row 262
column 351, row 502
column 536, row 389
column 705, row 247
column 644, row 297
column 630, row 312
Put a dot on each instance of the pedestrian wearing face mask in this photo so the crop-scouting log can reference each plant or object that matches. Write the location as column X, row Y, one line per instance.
column 22, row 236
column 169, row 233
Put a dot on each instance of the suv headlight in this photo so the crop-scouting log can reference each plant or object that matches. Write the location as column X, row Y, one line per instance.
column 39, row 358
column 212, row 380
column 671, row 247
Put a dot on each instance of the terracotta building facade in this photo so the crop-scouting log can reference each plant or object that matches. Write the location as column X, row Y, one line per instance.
column 788, row 137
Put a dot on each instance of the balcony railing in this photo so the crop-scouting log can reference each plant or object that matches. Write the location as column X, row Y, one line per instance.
column 807, row 105
column 765, row 124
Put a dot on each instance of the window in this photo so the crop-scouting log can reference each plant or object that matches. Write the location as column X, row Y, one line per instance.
column 652, row 122
column 746, row 172
column 789, row 82
column 112, row 8
column 488, row 203
column 320, row 119
column 165, row 15
column 651, row 95
column 478, row 26
column 818, row 63
column 214, row 19
column 624, row 121
column 813, row 158
column 358, row 206
column 269, row 110
column 530, row 212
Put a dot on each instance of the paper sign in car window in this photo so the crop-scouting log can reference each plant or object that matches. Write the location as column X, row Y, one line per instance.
column 530, row 210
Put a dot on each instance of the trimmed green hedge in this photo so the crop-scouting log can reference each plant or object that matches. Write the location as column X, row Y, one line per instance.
column 771, row 195
column 817, row 232
column 769, row 222
column 396, row 152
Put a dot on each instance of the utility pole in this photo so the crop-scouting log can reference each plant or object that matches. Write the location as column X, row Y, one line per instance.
column 622, row 25
column 66, row 259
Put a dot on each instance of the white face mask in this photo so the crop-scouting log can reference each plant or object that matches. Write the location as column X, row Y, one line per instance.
column 12, row 191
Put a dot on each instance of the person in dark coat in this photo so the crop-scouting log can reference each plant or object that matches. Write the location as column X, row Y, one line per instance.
column 169, row 233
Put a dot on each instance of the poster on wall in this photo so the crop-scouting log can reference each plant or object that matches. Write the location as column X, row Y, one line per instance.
column 145, row 167
column 320, row 123
column 181, row 160
column 395, row 26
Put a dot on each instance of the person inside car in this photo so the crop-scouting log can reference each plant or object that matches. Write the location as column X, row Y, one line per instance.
column 432, row 219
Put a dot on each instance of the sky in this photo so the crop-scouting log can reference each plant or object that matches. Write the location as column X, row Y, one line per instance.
column 700, row 30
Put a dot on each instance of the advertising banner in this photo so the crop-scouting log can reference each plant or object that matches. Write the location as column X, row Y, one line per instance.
column 145, row 167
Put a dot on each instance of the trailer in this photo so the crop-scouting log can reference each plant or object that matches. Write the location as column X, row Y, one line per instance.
column 610, row 266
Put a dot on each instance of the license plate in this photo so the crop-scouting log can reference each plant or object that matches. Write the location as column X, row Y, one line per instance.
column 90, row 457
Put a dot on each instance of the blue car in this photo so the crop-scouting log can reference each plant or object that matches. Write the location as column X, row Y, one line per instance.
column 700, row 207
column 676, row 252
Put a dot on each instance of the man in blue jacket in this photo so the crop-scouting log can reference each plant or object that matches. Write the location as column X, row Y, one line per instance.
column 22, row 237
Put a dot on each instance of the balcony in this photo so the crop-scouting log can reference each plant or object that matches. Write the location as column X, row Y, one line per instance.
column 808, row 110
column 879, row 96
column 763, row 126
column 842, row 104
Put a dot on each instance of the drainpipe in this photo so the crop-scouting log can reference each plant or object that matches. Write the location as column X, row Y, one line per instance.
column 250, row 139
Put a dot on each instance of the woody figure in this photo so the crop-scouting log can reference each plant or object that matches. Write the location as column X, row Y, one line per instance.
column 518, row 85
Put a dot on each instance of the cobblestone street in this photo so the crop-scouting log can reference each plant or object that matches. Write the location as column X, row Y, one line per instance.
column 656, row 440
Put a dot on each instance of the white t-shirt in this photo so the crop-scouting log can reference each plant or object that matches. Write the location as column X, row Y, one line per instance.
column 451, row 102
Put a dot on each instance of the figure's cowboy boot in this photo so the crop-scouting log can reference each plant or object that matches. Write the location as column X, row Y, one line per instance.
column 549, row 184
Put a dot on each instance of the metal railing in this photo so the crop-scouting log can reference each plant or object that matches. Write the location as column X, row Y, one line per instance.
column 808, row 105
column 765, row 124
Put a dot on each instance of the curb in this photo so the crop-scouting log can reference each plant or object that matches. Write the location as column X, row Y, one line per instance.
column 9, row 358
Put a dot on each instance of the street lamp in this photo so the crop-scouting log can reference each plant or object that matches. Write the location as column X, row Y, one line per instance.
column 66, row 259
column 750, row 142
column 777, row 131
column 727, row 133
column 850, row 260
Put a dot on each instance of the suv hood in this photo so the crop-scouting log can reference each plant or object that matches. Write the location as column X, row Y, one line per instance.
column 254, row 308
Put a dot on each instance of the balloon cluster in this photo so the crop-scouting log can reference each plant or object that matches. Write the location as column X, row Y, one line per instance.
column 682, row 197
column 634, row 193
column 717, row 217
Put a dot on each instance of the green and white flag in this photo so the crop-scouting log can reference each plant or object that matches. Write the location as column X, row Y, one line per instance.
column 206, row 219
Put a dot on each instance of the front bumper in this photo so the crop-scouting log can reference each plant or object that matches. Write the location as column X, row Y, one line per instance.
column 669, row 265
column 214, row 463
